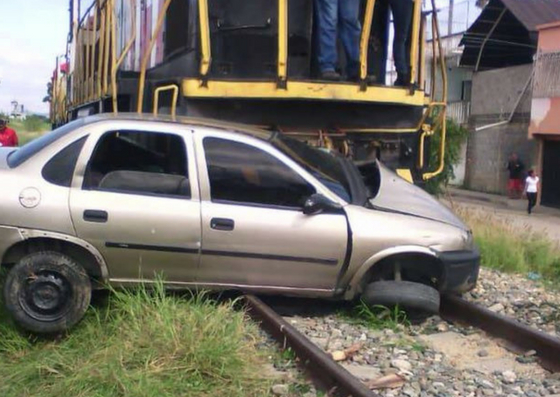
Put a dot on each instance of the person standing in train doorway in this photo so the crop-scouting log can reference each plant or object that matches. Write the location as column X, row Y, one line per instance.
column 402, row 19
column 338, row 19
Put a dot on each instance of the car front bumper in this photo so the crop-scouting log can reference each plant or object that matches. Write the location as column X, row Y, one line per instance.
column 460, row 270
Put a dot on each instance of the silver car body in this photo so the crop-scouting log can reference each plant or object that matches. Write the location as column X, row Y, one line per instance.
column 270, row 250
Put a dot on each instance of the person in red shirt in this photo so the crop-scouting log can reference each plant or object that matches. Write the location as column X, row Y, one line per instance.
column 8, row 137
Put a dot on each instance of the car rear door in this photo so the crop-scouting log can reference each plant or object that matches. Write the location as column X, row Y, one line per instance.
column 135, row 198
column 254, row 231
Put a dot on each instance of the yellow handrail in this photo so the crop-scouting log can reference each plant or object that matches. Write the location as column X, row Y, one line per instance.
column 101, row 52
column 159, row 90
column 364, row 39
column 415, row 40
column 206, row 51
column 118, row 63
column 282, row 41
column 93, row 33
column 106, row 55
column 422, row 56
column 113, row 55
column 436, row 36
column 142, row 80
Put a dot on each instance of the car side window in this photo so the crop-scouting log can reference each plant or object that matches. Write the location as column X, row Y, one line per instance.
column 60, row 168
column 241, row 173
column 139, row 162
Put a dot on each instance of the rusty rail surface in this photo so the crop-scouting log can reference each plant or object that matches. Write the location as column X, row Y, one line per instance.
column 326, row 373
column 523, row 337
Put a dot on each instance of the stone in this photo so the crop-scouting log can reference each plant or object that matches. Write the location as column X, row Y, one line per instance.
column 509, row 376
column 401, row 364
column 280, row 390
column 338, row 355
column 498, row 307
column 482, row 353
column 336, row 333
column 442, row 327
column 486, row 384
column 363, row 372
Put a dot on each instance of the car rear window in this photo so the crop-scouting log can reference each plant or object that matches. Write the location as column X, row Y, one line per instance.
column 30, row 149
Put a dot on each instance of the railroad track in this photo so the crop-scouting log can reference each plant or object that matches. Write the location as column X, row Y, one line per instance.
column 328, row 376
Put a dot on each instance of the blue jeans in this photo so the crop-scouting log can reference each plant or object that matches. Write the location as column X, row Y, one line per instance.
column 338, row 17
column 402, row 19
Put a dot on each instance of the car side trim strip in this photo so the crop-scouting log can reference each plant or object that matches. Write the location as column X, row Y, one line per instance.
column 330, row 262
column 145, row 247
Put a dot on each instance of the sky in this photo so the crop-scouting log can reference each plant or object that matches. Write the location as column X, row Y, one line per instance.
column 32, row 34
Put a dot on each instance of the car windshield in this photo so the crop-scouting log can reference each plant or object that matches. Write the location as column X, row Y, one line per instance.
column 323, row 165
column 30, row 149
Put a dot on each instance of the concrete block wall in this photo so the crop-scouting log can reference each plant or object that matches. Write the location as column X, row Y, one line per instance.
column 488, row 152
column 494, row 95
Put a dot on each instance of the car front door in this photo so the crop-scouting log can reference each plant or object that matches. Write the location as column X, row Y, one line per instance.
column 254, row 231
column 135, row 198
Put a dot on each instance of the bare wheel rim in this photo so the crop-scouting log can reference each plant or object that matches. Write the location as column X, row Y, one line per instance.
column 46, row 296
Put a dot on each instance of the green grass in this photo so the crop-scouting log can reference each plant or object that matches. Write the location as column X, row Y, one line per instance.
column 376, row 317
column 505, row 247
column 141, row 343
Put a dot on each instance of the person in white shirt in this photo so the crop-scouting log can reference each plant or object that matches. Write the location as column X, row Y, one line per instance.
column 531, row 189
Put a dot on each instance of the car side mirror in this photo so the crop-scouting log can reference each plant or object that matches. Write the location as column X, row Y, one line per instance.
column 317, row 203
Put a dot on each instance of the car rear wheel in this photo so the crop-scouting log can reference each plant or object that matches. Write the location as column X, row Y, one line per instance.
column 406, row 294
column 47, row 292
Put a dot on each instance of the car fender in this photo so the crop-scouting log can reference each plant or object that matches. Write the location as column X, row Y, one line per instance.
column 28, row 234
column 353, row 286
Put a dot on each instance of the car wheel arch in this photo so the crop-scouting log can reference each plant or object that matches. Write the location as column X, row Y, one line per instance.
column 406, row 255
column 82, row 252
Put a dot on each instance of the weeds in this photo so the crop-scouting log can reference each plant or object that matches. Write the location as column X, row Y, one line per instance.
column 509, row 248
column 377, row 317
column 143, row 343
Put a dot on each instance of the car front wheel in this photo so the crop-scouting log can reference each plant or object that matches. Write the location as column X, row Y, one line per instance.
column 406, row 294
column 47, row 292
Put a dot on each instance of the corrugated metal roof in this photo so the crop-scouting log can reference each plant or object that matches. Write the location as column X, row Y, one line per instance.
column 505, row 33
column 532, row 13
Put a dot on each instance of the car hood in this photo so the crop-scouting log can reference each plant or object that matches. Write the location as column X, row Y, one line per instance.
column 4, row 151
column 397, row 195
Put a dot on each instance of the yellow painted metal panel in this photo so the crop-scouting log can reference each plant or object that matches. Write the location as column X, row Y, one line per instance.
column 194, row 88
column 405, row 174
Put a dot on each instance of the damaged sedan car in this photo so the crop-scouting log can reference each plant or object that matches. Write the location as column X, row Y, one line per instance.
column 118, row 200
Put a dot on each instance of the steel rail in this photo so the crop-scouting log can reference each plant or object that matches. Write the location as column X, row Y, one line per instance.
column 324, row 370
column 522, row 336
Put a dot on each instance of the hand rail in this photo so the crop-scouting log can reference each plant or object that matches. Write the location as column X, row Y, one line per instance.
column 206, row 50
column 415, row 39
column 124, row 53
column 442, row 115
column 159, row 90
column 147, row 54
column 364, row 41
column 282, row 42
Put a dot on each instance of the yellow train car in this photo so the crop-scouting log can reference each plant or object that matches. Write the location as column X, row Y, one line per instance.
column 253, row 61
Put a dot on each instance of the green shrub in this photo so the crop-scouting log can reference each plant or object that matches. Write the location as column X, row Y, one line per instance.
column 455, row 138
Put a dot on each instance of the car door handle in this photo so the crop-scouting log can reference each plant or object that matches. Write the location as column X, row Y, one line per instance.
column 97, row 216
column 222, row 224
